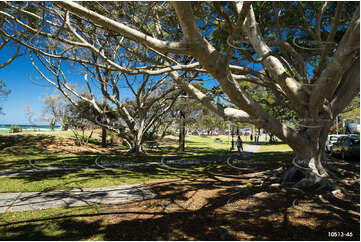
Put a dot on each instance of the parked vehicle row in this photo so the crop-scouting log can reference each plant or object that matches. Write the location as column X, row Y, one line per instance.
column 331, row 140
column 345, row 146
column 245, row 133
column 204, row 132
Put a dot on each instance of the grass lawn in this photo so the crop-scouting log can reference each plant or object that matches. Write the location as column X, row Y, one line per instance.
column 278, row 147
column 17, row 150
column 204, row 189
column 49, row 224
column 97, row 223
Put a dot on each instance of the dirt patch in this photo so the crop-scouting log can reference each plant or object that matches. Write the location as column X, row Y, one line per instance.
column 68, row 146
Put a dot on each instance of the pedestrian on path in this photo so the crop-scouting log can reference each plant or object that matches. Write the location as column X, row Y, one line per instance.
column 239, row 144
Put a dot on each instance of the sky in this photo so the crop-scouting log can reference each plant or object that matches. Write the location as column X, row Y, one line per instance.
column 23, row 92
column 20, row 78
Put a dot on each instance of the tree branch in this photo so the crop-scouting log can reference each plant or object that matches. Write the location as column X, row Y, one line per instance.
column 348, row 89
column 341, row 61
column 291, row 87
column 319, row 20
column 11, row 59
column 330, row 38
column 107, row 23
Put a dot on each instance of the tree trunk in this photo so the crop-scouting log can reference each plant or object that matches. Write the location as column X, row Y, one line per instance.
column 181, row 147
column 52, row 124
column 104, row 137
column 309, row 170
column 164, row 132
column 136, row 140
column 64, row 127
column 136, row 147
column 257, row 135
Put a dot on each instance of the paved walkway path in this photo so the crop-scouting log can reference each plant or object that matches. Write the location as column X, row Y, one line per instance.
column 23, row 201
column 251, row 148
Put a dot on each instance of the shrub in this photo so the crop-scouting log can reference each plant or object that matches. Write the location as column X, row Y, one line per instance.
column 15, row 129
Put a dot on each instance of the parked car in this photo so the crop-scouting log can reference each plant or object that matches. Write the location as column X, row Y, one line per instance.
column 347, row 147
column 204, row 132
column 331, row 139
column 195, row 132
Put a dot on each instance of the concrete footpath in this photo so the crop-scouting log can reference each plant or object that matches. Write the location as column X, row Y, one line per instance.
column 23, row 201
column 251, row 148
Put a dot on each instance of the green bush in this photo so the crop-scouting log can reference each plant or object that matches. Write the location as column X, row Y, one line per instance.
column 15, row 129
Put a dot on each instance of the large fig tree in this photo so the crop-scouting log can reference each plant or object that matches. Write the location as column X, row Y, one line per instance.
column 305, row 53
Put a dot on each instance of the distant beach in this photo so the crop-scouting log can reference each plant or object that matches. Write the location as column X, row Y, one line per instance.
column 4, row 128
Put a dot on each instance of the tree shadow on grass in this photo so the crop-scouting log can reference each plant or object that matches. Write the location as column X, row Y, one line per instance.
column 59, row 179
column 272, row 218
column 21, row 140
column 19, row 146
column 171, row 216
column 69, row 228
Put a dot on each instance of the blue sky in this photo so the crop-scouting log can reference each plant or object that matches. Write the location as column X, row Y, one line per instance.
column 21, row 77
column 23, row 91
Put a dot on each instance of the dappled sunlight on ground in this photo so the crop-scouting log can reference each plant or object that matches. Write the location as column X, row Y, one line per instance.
column 197, row 202
column 214, row 207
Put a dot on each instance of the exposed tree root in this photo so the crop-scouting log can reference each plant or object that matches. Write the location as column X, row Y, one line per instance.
column 306, row 179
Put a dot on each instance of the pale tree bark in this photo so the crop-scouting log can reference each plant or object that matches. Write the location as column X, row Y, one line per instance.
column 309, row 142
column 152, row 101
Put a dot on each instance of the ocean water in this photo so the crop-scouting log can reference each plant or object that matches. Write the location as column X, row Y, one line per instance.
column 4, row 128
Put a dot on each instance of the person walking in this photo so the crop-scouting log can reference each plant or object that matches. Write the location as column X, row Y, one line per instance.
column 239, row 144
